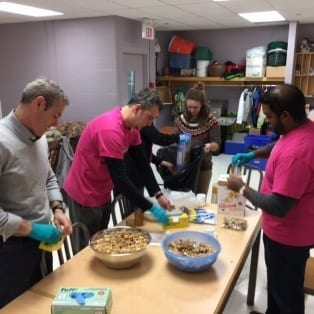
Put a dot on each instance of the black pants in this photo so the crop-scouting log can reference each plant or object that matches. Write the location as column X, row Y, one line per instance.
column 20, row 268
column 285, row 277
column 95, row 218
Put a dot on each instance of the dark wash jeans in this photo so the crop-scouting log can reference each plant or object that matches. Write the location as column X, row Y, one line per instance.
column 285, row 277
column 20, row 260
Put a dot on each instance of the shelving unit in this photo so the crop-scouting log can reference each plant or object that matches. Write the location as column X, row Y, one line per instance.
column 217, row 81
column 304, row 72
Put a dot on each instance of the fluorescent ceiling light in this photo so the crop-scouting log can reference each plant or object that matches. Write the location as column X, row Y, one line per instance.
column 26, row 10
column 266, row 16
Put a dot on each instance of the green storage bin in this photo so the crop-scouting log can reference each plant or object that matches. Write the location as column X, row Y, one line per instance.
column 276, row 57
column 203, row 53
column 277, row 44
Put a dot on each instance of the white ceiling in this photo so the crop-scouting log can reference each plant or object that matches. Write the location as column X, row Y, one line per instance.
column 172, row 14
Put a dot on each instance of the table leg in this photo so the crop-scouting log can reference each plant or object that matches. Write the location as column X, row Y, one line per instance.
column 253, row 270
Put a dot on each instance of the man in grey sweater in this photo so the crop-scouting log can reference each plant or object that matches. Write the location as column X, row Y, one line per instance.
column 29, row 189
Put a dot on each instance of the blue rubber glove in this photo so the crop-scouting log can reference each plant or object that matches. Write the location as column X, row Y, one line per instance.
column 242, row 158
column 45, row 233
column 160, row 214
column 184, row 137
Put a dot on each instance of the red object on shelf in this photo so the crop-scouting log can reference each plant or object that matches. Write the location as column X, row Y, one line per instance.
column 181, row 46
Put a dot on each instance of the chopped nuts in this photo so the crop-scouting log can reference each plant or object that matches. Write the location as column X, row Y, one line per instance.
column 120, row 241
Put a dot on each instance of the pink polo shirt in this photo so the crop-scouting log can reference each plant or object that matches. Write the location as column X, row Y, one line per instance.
column 88, row 181
column 290, row 172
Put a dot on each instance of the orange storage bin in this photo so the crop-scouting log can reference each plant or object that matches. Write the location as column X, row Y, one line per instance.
column 181, row 46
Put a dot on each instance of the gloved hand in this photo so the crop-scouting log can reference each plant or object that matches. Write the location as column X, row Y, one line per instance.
column 45, row 232
column 184, row 137
column 160, row 214
column 242, row 158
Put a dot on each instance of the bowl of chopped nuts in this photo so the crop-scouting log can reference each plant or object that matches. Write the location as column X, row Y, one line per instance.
column 120, row 247
column 191, row 251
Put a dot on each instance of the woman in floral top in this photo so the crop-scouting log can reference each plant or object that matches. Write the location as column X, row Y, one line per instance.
column 204, row 128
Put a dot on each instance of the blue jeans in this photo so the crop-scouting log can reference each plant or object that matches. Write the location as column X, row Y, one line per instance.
column 20, row 260
column 285, row 277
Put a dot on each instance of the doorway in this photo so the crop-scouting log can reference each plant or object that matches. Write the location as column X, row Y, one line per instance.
column 134, row 74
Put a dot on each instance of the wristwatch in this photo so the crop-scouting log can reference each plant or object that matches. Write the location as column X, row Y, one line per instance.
column 241, row 191
column 61, row 206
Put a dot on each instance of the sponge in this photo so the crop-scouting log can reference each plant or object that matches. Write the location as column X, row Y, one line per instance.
column 51, row 247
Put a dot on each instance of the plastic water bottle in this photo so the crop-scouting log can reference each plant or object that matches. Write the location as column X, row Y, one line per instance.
column 180, row 155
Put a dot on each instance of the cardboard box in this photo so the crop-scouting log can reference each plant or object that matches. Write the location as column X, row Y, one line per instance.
column 229, row 202
column 255, row 131
column 82, row 300
column 279, row 71
column 181, row 221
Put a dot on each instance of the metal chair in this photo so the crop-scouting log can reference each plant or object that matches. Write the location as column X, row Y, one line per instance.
column 254, row 177
column 69, row 247
column 124, row 206
column 309, row 276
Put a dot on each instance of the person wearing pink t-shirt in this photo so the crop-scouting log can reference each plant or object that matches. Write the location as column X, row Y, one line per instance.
column 99, row 164
column 286, row 197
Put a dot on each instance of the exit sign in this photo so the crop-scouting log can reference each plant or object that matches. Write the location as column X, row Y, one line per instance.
column 148, row 30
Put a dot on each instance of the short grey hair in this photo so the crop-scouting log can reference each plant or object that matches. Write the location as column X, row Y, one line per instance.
column 43, row 87
column 147, row 98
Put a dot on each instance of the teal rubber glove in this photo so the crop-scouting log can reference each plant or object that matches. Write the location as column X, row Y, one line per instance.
column 159, row 214
column 45, row 233
column 242, row 158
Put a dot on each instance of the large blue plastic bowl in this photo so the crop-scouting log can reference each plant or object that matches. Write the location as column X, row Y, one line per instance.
column 191, row 264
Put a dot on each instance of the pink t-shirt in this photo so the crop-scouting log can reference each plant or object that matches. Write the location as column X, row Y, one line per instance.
column 88, row 181
column 290, row 172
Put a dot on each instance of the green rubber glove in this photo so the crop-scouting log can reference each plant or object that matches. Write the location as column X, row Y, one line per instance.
column 242, row 158
column 45, row 233
column 160, row 214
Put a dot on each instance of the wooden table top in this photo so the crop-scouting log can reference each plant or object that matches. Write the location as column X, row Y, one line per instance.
column 153, row 285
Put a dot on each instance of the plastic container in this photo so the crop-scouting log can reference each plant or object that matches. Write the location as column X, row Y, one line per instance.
column 277, row 44
column 276, row 57
column 255, row 62
column 183, row 151
column 232, row 148
column 182, row 46
column 202, row 68
column 180, row 61
column 259, row 163
column 203, row 53
column 252, row 142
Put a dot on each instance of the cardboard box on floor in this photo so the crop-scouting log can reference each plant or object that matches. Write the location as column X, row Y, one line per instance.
column 229, row 202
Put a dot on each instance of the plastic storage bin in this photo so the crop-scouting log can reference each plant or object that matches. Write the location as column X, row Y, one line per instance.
column 252, row 142
column 181, row 46
column 180, row 61
column 258, row 163
column 232, row 148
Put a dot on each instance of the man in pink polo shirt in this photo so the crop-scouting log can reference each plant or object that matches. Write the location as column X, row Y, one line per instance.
column 286, row 197
column 99, row 163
